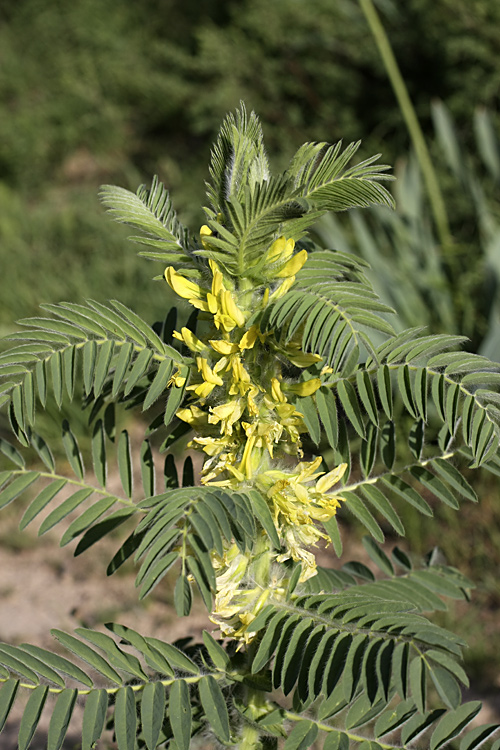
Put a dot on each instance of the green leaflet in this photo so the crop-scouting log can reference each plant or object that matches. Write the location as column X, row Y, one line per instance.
column 418, row 683
column 183, row 597
column 475, row 737
column 302, row 736
column 31, row 716
column 147, row 469
column 58, row 663
column 174, row 656
column 88, row 655
column 117, row 657
column 18, row 485
column 336, row 741
column 61, row 716
column 72, row 450
column 378, row 556
column 16, row 665
column 327, row 409
column 64, row 509
column 125, row 719
column 359, row 509
column 394, row 718
column 102, row 366
column 7, row 697
column 452, row 724
column 418, row 723
column 215, row 708
column 180, row 714
column 21, row 657
column 94, row 717
column 139, row 369
column 383, row 506
column 43, row 451
column 349, row 401
column 362, row 711
column 152, row 713
column 125, row 463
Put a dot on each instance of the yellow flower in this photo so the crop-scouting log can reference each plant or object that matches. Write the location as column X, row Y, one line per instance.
column 193, row 415
column 276, row 392
column 266, row 433
column 237, row 605
column 305, row 388
column 247, row 465
column 223, row 347
column 227, row 414
column 296, row 506
column 191, row 341
column 212, row 446
column 293, row 266
column 249, row 338
column 280, row 250
column 241, row 382
column 282, row 289
column 183, row 287
column 176, row 380
column 208, row 375
column 205, row 232
column 299, row 358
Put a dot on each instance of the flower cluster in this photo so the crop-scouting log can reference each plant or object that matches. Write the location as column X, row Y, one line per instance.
column 242, row 413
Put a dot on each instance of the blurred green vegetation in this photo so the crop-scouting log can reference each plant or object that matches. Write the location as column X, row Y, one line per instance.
column 94, row 92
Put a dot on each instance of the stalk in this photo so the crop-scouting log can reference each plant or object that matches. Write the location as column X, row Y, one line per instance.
column 434, row 193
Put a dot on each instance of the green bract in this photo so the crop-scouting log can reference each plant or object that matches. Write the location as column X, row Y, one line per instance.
column 288, row 378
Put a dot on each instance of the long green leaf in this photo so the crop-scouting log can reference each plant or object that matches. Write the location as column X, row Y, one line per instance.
column 152, row 713
column 8, row 693
column 125, row 719
column 215, row 707
column 94, row 718
column 180, row 714
column 31, row 716
column 61, row 716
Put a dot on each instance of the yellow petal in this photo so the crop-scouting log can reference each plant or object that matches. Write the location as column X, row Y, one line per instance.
column 282, row 289
column 276, row 391
column 223, row 347
column 193, row 415
column 229, row 307
column 276, row 249
column 303, row 359
column 202, row 389
column 218, row 279
column 246, row 463
column 328, row 480
column 212, row 303
column 249, row 338
column 207, row 373
column 293, row 266
column 205, row 232
column 183, row 287
column 200, row 304
column 221, row 364
column 306, row 388
column 191, row 341
column 281, row 249
column 307, row 469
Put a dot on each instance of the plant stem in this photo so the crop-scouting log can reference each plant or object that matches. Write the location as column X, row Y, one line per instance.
column 257, row 707
column 408, row 111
